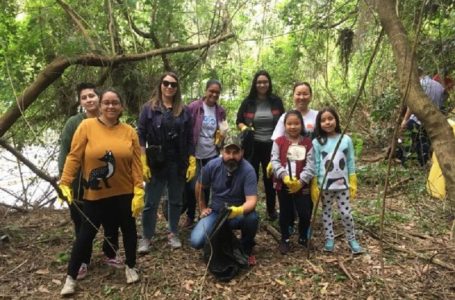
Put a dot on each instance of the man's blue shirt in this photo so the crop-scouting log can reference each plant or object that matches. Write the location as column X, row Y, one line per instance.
column 228, row 189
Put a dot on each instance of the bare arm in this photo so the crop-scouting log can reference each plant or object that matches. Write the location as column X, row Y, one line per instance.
column 200, row 198
column 250, row 204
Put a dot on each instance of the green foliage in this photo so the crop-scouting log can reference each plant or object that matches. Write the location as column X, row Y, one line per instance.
column 293, row 40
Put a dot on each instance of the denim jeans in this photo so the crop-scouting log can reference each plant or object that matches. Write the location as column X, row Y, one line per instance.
column 191, row 201
column 248, row 225
column 175, row 181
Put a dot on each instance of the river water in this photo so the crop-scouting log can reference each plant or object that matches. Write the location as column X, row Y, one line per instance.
column 19, row 186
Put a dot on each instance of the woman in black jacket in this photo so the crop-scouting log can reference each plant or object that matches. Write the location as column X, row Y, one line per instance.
column 256, row 118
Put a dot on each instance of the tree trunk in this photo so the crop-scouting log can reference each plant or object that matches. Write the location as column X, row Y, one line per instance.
column 56, row 68
column 435, row 123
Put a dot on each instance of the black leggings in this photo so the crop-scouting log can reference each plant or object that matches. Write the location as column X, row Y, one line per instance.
column 302, row 203
column 112, row 212
column 111, row 234
column 261, row 156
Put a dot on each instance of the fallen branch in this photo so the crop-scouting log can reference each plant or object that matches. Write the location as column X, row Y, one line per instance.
column 344, row 269
column 273, row 232
column 13, row 207
column 431, row 259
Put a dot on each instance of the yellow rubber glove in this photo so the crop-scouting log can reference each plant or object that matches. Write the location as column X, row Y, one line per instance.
column 146, row 173
column 235, row 211
column 295, row 186
column 352, row 186
column 218, row 137
column 247, row 128
column 314, row 190
column 191, row 171
column 67, row 192
column 269, row 170
column 287, row 180
column 137, row 204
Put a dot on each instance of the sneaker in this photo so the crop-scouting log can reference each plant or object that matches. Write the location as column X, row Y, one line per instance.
column 303, row 242
column 131, row 275
column 144, row 246
column 115, row 262
column 189, row 223
column 174, row 241
column 284, row 247
column 291, row 229
column 251, row 260
column 69, row 287
column 82, row 273
column 272, row 216
column 355, row 247
column 329, row 245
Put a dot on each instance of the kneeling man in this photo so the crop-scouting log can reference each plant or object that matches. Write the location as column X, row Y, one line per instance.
column 233, row 183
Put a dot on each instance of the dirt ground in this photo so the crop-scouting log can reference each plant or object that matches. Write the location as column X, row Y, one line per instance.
column 418, row 256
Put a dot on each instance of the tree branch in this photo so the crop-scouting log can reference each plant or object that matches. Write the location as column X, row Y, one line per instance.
column 55, row 69
column 77, row 20
column 148, row 35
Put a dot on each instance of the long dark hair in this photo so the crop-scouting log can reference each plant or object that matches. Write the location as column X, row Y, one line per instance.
column 320, row 134
column 157, row 97
column 253, row 91
column 298, row 114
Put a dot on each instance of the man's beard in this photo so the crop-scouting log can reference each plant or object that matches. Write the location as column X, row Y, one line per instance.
column 231, row 165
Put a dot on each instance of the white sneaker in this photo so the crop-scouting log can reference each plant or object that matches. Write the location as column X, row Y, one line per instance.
column 70, row 286
column 174, row 241
column 144, row 246
column 131, row 275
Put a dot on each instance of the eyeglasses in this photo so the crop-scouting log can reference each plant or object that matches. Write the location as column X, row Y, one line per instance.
column 169, row 84
column 113, row 103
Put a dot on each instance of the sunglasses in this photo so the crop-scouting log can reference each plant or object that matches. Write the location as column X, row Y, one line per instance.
column 169, row 84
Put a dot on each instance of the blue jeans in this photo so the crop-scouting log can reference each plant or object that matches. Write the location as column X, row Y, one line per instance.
column 153, row 190
column 248, row 225
column 191, row 201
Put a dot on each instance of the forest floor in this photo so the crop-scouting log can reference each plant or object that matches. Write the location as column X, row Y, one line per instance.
column 418, row 255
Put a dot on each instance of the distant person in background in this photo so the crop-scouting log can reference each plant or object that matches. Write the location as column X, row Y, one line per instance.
column 165, row 136
column 89, row 102
column 447, row 82
column 420, row 140
column 259, row 113
column 108, row 153
column 209, row 128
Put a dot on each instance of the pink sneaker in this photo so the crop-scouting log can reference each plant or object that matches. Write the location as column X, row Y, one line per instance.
column 251, row 260
column 82, row 273
column 115, row 262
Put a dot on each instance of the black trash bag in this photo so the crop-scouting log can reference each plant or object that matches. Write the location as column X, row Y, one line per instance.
column 247, row 139
column 223, row 251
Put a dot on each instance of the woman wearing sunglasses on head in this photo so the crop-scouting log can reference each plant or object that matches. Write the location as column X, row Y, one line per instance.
column 165, row 136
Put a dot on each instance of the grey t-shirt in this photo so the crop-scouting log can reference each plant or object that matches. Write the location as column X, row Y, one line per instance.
column 263, row 122
column 205, row 147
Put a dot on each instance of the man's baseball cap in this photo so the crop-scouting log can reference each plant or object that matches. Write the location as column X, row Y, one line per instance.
column 232, row 140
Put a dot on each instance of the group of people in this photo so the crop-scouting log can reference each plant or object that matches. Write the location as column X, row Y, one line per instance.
column 187, row 151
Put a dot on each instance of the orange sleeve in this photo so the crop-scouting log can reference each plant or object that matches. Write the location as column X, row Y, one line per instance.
column 136, row 162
